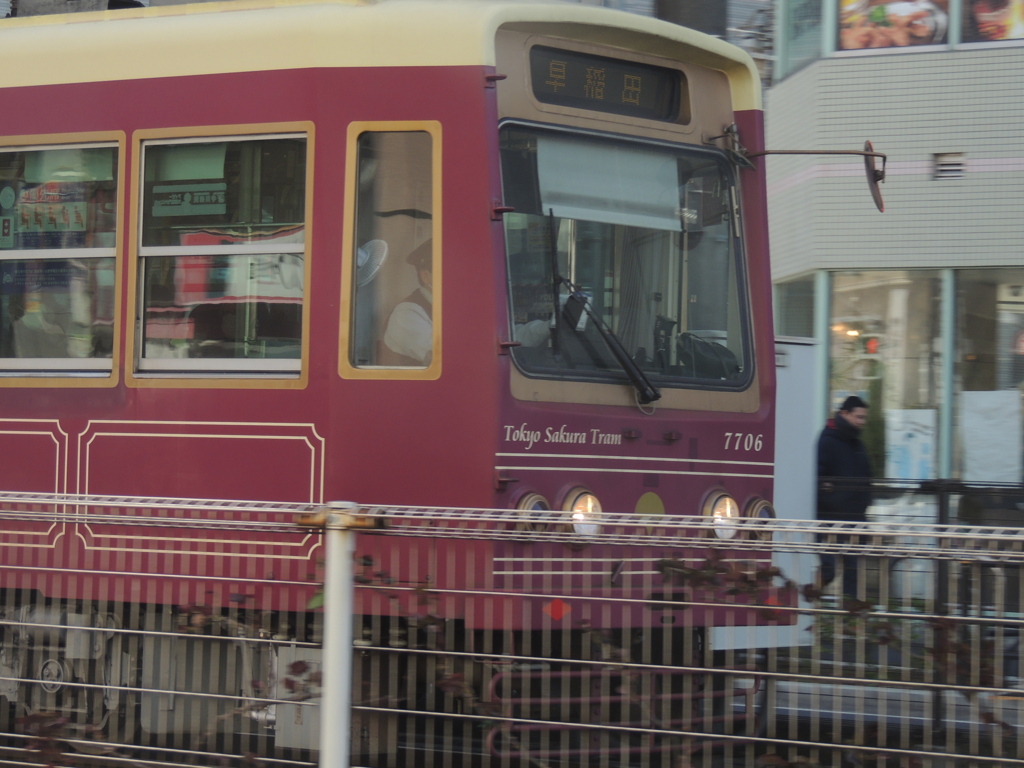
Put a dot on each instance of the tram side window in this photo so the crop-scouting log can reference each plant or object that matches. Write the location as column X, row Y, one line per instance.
column 223, row 254
column 58, row 211
column 393, row 303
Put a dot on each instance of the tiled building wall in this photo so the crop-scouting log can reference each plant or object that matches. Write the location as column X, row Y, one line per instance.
column 912, row 106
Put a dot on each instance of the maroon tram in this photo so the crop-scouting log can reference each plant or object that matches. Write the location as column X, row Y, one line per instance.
column 450, row 254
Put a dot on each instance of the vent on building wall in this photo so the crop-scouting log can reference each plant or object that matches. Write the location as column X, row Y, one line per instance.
column 948, row 165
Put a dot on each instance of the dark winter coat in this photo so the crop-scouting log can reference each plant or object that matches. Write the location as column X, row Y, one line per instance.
column 842, row 455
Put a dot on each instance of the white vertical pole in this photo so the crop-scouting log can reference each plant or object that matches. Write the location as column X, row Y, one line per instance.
column 947, row 395
column 339, row 607
column 823, row 333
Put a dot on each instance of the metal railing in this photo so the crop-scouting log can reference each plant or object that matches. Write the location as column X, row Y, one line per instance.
column 157, row 632
column 674, row 642
column 154, row 632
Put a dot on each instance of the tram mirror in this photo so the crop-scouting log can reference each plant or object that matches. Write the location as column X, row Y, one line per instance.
column 875, row 174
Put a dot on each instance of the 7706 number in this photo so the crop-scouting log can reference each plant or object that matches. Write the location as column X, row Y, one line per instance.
column 734, row 441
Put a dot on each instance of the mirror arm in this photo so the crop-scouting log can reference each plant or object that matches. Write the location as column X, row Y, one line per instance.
column 862, row 153
column 874, row 174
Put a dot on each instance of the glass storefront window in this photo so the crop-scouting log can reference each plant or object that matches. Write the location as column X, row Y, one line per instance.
column 800, row 30
column 884, row 347
column 58, row 208
column 223, row 254
column 794, row 308
column 989, row 371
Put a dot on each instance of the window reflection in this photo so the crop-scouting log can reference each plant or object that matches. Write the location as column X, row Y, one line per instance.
column 57, row 310
column 393, row 302
column 224, row 306
column 225, row 192
column 223, row 254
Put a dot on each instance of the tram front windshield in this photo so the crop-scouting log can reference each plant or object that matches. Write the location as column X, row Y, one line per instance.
column 638, row 237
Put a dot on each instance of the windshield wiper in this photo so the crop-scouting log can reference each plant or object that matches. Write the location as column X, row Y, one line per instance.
column 646, row 392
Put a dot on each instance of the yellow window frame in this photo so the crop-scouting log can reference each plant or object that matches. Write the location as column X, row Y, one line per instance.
column 345, row 368
column 74, row 379
column 200, row 379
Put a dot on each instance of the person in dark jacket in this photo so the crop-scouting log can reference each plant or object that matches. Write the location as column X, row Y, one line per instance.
column 844, row 482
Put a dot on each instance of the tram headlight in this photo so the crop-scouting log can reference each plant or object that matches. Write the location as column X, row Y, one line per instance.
column 583, row 508
column 535, row 509
column 724, row 513
column 760, row 511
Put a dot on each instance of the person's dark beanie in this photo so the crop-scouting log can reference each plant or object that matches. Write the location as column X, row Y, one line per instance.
column 852, row 402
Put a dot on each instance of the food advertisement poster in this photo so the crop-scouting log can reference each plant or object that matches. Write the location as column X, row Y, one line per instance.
column 865, row 24
column 991, row 20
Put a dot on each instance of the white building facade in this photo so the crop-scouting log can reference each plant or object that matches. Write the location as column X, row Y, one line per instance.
column 920, row 309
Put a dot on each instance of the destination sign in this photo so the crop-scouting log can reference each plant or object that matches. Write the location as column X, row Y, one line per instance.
column 603, row 84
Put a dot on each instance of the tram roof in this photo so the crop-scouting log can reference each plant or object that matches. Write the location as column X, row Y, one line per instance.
column 250, row 35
